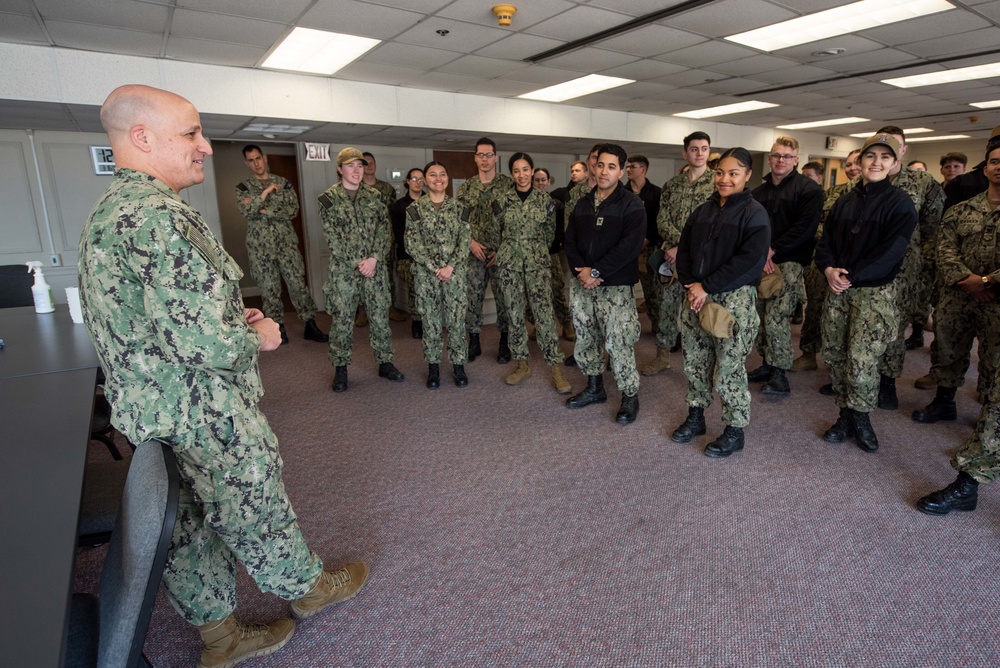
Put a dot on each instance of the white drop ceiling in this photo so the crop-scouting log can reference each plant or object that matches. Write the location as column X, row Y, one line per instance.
column 679, row 63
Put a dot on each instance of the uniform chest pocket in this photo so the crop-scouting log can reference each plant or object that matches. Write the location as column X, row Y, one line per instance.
column 968, row 228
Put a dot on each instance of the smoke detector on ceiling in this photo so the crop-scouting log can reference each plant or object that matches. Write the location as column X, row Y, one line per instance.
column 504, row 13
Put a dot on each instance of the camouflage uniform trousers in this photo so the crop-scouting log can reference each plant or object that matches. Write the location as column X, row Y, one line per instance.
column 274, row 252
column 907, row 292
column 560, row 304
column 233, row 507
column 858, row 324
column 926, row 292
column 344, row 290
column 774, row 341
column 442, row 305
column 605, row 318
column 651, row 291
column 672, row 297
column 811, row 335
column 711, row 361
column 524, row 284
column 478, row 278
column 404, row 269
column 957, row 321
column 980, row 454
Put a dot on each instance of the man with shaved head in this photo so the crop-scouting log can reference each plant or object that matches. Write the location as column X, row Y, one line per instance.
column 162, row 304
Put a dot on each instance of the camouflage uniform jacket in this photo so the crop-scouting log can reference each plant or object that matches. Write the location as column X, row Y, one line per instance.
column 969, row 242
column 575, row 194
column 162, row 304
column 354, row 230
column 833, row 193
column 278, row 209
column 435, row 237
column 524, row 230
column 928, row 198
column 475, row 195
column 677, row 200
column 387, row 191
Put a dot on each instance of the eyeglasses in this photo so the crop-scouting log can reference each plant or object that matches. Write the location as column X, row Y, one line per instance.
column 416, row 180
column 486, row 155
column 540, row 179
column 788, row 157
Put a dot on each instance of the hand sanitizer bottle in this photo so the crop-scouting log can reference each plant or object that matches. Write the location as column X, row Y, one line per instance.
column 40, row 290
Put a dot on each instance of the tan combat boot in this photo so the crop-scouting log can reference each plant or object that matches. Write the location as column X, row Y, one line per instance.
column 569, row 332
column 559, row 380
column 805, row 362
column 925, row 382
column 659, row 363
column 230, row 641
column 332, row 587
column 361, row 318
column 520, row 374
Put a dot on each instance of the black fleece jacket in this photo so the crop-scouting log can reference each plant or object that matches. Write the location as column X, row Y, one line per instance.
column 608, row 238
column 724, row 247
column 794, row 206
column 867, row 232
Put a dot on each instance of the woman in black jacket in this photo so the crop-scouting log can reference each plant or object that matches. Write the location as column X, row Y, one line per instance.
column 720, row 257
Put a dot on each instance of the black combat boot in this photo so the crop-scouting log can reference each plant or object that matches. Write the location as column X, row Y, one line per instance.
column 284, row 334
column 864, row 435
column 417, row 329
column 887, row 399
column 629, row 409
column 570, row 361
column 340, row 379
column 827, row 390
column 963, row 494
column 761, row 374
column 942, row 407
column 777, row 384
column 314, row 333
column 693, row 425
column 594, row 394
column 916, row 339
column 389, row 371
column 677, row 344
column 503, row 354
column 797, row 314
column 730, row 441
column 433, row 376
column 475, row 350
column 841, row 429
column 461, row 380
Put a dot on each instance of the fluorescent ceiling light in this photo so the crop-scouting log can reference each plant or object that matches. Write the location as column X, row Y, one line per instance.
column 991, row 104
column 842, row 20
column 946, row 76
column 592, row 83
column 279, row 129
column 317, row 51
column 938, row 138
column 906, row 131
column 738, row 108
column 821, row 124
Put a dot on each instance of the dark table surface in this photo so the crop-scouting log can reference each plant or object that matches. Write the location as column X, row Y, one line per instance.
column 37, row 343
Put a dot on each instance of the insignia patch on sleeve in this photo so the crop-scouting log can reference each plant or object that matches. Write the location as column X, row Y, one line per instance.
column 201, row 242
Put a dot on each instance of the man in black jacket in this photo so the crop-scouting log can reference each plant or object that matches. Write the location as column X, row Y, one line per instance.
column 794, row 203
column 603, row 241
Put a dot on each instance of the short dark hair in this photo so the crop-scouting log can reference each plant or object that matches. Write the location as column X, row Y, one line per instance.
column 857, row 150
column 697, row 134
column 368, row 154
column 991, row 146
column 520, row 155
column 917, row 162
column 954, row 156
column 740, row 154
column 548, row 174
column 485, row 141
column 252, row 147
column 613, row 149
column 430, row 164
column 815, row 166
column 413, row 169
column 641, row 159
column 892, row 130
column 595, row 147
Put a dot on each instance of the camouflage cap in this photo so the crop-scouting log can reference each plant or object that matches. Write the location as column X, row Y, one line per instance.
column 350, row 155
column 883, row 139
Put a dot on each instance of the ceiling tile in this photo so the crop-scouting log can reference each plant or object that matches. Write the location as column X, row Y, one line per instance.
column 464, row 37
column 445, row 81
column 578, row 22
column 651, row 40
column 415, row 57
column 501, row 88
column 21, row 29
column 541, row 75
column 955, row 44
column 688, row 78
column 707, row 53
column 519, row 47
column 797, row 74
column 942, row 24
column 641, row 70
column 732, row 86
column 683, row 95
column 589, row 60
column 219, row 53
column 356, row 18
column 482, row 67
column 285, row 11
column 224, row 28
column 128, row 14
column 864, row 62
column 22, row 7
column 642, row 89
column 730, row 17
column 102, row 38
column 752, row 65
column 378, row 73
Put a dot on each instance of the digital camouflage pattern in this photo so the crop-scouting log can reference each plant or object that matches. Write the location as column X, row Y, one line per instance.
column 404, row 269
column 721, row 363
column 968, row 244
column 575, row 194
column 678, row 199
column 857, row 326
column 273, row 247
column 476, row 196
column 356, row 230
column 162, row 304
column 557, row 280
column 605, row 319
column 524, row 231
column 650, row 282
column 438, row 238
column 980, row 454
column 388, row 193
column 774, row 341
column 811, row 335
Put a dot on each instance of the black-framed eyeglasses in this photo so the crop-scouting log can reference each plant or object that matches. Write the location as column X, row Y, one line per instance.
column 787, row 157
column 486, row 155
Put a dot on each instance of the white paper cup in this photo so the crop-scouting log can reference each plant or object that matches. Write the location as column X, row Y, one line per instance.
column 75, row 310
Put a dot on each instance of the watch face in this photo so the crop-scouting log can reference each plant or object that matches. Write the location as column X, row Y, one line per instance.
column 594, row 273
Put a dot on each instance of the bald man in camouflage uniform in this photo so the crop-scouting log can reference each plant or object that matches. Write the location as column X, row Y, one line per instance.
column 269, row 203
column 162, row 304
column 356, row 226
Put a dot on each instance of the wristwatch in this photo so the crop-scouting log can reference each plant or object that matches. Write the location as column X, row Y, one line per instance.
column 596, row 274
column 986, row 281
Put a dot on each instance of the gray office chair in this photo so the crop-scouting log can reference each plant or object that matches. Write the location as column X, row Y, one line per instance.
column 109, row 631
column 15, row 286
